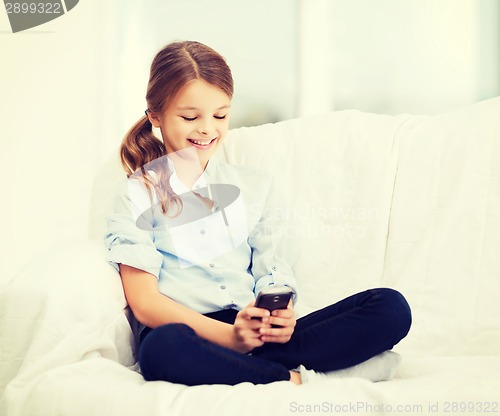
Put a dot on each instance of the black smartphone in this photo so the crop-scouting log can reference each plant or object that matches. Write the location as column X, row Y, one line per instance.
column 272, row 298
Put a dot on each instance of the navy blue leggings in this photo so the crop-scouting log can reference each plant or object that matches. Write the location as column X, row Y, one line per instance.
column 338, row 336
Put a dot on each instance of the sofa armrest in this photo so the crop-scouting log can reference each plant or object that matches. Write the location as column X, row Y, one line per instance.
column 66, row 305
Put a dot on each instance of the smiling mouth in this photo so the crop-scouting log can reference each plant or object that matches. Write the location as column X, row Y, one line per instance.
column 202, row 142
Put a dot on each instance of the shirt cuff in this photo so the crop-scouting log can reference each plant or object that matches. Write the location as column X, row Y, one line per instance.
column 142, row 257
column 270, row 281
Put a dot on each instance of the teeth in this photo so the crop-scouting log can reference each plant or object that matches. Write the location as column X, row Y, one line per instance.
column 201, row 143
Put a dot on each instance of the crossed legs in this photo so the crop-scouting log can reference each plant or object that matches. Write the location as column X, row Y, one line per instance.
column 336, row 337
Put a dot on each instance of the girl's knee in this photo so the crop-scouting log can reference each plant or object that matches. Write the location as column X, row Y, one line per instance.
column 168, row 335
column 161, row 347
column 396, row 309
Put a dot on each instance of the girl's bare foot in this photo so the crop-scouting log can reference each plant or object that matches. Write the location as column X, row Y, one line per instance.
column 295, row 377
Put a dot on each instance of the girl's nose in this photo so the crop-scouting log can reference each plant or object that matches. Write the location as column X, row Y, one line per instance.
column 204, row 129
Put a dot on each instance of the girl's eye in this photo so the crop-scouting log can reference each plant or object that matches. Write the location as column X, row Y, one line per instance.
column 220, row 117
column 189, row 118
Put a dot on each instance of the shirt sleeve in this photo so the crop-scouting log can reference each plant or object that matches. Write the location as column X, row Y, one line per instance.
column 127, row 242
column 267, row 243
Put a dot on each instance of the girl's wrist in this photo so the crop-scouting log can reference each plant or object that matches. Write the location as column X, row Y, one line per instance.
column 229, row 338
column 234, row 342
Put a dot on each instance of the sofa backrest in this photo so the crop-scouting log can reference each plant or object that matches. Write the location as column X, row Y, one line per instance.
column 334, row 175
column 444, row 231
column 409, row 201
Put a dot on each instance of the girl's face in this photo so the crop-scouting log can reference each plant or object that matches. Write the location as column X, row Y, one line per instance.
column 196, row 119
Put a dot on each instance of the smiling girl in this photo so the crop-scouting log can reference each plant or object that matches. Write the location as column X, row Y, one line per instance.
column 190, row 238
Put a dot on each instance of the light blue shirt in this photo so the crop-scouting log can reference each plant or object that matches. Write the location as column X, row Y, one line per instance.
column 208, row 258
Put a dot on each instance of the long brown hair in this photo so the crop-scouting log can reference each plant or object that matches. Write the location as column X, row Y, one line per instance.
column 172, row 68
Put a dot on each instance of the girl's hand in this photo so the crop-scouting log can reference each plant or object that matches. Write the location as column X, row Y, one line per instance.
column 285, row 318
column 246, row 331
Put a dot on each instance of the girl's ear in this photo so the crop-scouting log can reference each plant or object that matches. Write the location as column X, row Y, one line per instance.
column 154, row 119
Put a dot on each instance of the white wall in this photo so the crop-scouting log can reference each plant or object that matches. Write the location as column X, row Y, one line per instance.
column 51, row 130
column 397, row 56
column 258, row 38
column 71, row 88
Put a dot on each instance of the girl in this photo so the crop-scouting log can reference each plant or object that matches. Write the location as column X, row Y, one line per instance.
column 192, row 242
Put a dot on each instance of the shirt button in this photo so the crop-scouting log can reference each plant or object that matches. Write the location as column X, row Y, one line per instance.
column 274, row 268
column 223, row 287
column 202, row 232
column 212, row 265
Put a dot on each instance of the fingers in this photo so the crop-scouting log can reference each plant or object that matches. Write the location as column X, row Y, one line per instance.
column 251, row 312
column 252, row 319
column 252, row 341
column 284, row 313
column 283, row 317
column 281, row 322
column 278, row 340
column 247, row 338
column 285, row 321
column 276, row 332
column 280, row 335
column 253, row 325
column 247, row 329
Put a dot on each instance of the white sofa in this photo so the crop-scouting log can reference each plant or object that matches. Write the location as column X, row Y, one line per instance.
column 409, row 202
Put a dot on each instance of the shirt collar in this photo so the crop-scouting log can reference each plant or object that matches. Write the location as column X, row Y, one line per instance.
column 179, row 187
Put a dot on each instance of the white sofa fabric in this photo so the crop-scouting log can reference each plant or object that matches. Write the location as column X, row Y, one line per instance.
column 409, row 202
